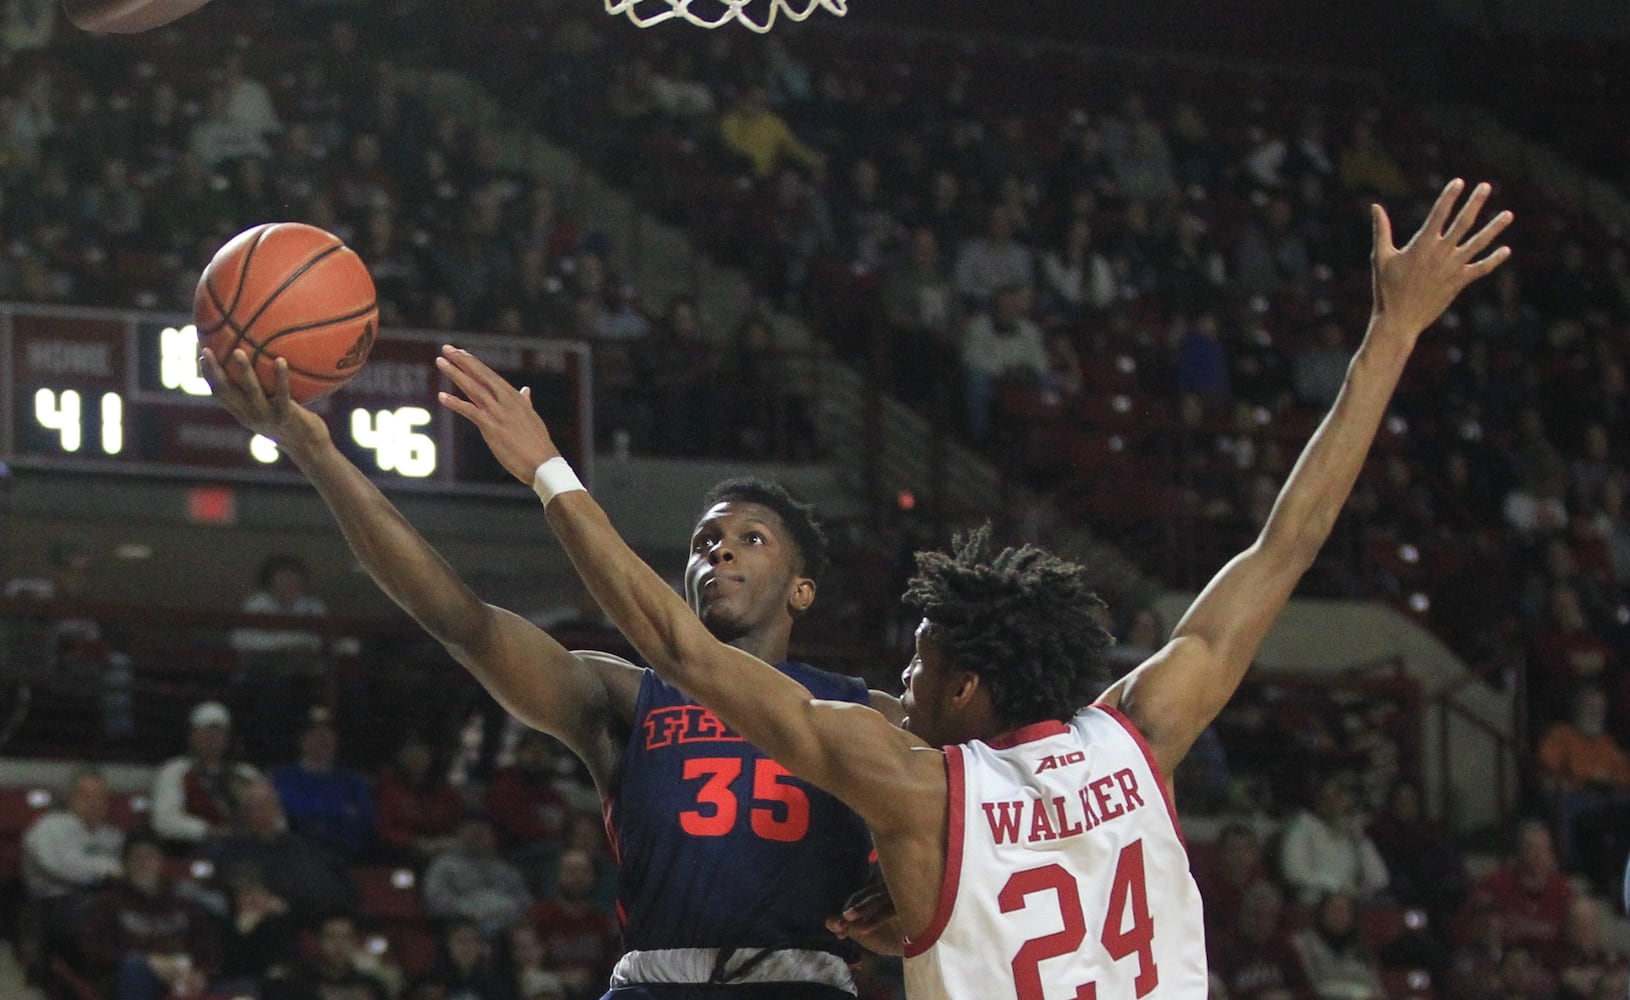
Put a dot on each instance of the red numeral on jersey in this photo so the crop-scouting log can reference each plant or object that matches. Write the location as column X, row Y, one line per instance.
column 1128, row 903
column 784, row 815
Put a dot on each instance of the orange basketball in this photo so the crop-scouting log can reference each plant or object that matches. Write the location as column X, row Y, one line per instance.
column 292, row 291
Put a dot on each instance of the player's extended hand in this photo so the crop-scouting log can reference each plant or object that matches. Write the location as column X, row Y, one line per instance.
column 504, row 415
column 1414, row 284
column 869, row 920
column 277, row 416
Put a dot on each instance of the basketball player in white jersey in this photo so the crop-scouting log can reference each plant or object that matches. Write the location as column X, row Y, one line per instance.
column 1030, row 846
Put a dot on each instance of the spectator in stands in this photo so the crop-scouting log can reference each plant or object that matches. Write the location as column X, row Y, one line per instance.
column 1320, row 367
column 71, row 852
column 1063, row 380
column 995, row 261
column 472, row 882
column 1202, row 360
column 1001, row 347
column 308, row 877
column 523, row 966
column 1569, row 651
column 1528, row 893
column 464, row 967
column 333, row 805
column 1587, row 969
column 1424, row 866
column 339, row 966
column 280, row 670
column 586, row 832
column 217, row 138
column 1587, row 775
column 1237, row 865
column 1325, row 848
column 1076, row 275
column 418, row 809
column 755, row 132
column 1255, row 959
column 1368, row 168
column 144, row 940
column 80, row 653
column 195, row 796
column 527, row 808
column 260, row 939
column 1335, row 955
column 580, row 939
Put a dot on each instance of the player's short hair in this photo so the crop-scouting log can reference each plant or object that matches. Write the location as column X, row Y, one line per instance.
column 1024, row 620
column 797, row 516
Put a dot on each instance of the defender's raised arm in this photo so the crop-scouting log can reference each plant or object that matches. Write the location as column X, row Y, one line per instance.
column 1177, row 692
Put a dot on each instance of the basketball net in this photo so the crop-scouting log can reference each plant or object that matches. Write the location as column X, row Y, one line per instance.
column 713, row 13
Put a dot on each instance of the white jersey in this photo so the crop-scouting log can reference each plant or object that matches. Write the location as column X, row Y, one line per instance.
column 1065, row 873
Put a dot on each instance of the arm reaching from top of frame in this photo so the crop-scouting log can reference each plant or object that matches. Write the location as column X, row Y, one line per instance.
column 538, row 680
column 1177, row 692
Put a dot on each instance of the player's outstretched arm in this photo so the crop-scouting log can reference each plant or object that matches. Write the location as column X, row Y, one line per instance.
column 531, row 674
column 852, row 751
column 125, row 16
column 1178, row 691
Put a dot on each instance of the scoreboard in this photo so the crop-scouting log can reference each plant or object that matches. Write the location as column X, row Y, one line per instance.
column 120, row 392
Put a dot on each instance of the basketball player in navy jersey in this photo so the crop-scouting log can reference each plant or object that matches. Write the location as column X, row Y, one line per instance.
column 728, row 866
column 1029, row 844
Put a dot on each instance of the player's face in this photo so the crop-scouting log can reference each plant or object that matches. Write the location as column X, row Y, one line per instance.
column 927, row 679
column 742, row 573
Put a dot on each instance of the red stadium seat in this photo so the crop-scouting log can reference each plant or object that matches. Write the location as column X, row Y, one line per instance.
column 19, row 807
column 414, row 946
column 387, row 894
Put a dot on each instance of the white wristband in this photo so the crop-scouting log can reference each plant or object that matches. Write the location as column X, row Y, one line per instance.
column 553, row 478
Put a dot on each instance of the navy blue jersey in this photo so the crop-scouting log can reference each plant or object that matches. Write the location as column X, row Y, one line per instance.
column 718, row 845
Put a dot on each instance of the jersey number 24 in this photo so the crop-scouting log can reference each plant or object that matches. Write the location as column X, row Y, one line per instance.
column 1128, row 928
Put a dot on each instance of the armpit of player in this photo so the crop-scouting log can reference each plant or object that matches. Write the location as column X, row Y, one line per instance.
column 126, row 16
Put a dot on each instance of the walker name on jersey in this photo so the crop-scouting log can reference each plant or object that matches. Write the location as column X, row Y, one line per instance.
column 1032, row 820
column 665, row 727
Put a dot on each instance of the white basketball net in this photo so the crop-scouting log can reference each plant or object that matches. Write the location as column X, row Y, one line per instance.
column 757, row 16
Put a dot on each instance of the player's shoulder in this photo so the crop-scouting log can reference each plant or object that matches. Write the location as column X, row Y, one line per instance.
column 826, row 684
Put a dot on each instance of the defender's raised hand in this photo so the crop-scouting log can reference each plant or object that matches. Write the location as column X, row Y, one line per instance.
column 1414, row 284
column 503, row 414
column 276, row 416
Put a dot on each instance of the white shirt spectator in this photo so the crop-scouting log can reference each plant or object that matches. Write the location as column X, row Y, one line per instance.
column 266, row 640
column 61, row 855
column 1316, row 858
column 985, row 351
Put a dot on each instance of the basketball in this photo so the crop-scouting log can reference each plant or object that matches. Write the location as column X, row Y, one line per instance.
column 292, row 291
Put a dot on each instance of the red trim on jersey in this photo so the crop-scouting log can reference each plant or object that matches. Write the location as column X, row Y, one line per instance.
column 1028, row 734
column 955, row 831
column 1149, row 756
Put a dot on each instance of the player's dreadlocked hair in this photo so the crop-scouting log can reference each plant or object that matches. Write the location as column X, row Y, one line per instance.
column 1023, row 619
column 798, row 517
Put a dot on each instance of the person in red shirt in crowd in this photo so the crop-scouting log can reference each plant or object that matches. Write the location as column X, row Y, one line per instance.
column 1238, row 865
column 580, row 939
column 417, row 809
column 526, row 808
column 139, row 940
column 1255, row 959
column 1528, row 892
